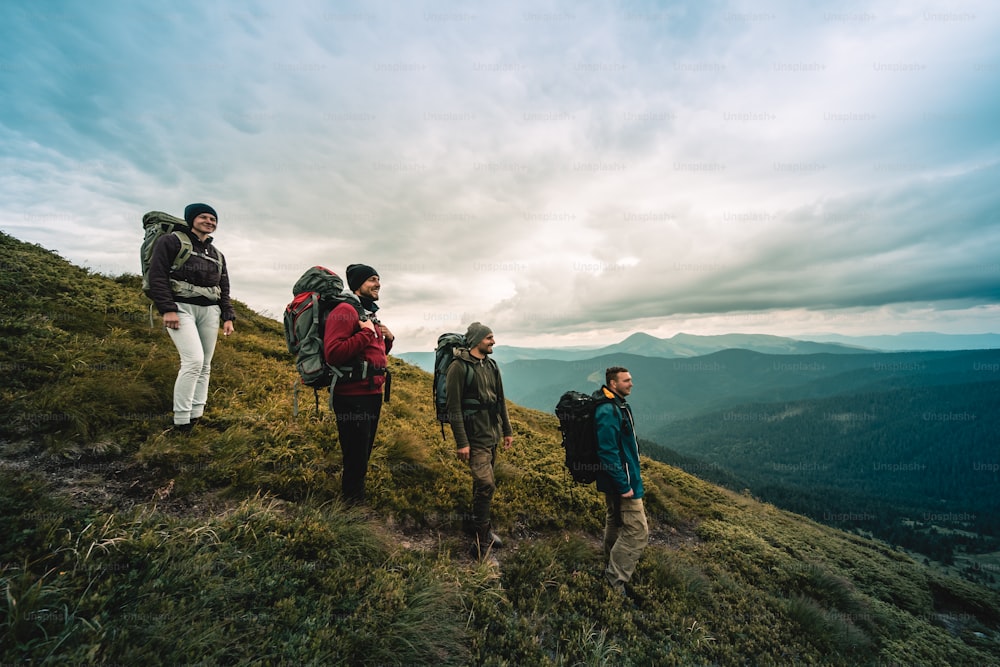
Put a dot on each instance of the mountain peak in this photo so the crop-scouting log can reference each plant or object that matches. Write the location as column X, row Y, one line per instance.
column 641, row 337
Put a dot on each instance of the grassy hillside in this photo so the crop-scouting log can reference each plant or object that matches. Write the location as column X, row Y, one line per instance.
column 931, row 449
column 121, row 543
column 915, row 466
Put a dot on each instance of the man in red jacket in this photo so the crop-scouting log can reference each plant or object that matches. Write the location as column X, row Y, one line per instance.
column 362, row 345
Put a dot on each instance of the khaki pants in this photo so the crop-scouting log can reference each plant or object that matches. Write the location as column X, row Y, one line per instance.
column 481, row 462
column 625, row 537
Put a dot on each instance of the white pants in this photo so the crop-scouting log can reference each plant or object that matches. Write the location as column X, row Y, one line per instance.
column 195, row 341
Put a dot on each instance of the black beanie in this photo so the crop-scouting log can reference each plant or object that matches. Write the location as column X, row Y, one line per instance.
column 357, row 274
column 192, row 211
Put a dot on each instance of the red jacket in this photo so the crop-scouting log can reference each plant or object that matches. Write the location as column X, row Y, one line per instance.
column 345, row 342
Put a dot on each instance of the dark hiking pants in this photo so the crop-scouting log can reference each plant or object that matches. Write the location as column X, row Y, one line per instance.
column 357, row 421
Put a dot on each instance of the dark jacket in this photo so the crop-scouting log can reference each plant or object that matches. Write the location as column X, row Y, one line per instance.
column 198, row 270
column 617, row 448
column 346, row 343
column 483, row 426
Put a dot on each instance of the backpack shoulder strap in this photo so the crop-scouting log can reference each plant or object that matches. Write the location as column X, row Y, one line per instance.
column 220, row 259
column 470, row 381
column 496, row 369
column 470, row 375
column 336, row 301
column 216, row 259
column 184, row 254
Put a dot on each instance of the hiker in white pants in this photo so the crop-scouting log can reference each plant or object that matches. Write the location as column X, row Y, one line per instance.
column 194, row 336
column 192, row 298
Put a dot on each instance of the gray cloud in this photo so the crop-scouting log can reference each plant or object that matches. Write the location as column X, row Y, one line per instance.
column 585, row 168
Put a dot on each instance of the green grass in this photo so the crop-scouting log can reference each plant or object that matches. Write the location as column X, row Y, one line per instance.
column 121, row 543
column 265, row 582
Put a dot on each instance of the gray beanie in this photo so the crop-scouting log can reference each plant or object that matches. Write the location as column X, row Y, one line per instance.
column 476, row 333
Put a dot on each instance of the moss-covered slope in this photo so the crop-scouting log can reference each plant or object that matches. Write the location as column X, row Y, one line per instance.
column 123, row 543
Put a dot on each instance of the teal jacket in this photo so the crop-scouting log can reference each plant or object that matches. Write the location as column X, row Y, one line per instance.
column 617, row 448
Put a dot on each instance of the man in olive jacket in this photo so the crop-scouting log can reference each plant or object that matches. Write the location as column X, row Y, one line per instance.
column 477, row 413
column 626, row 532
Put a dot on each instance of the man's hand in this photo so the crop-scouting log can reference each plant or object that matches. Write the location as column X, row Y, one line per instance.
column 629, row 494
column 171, row 320
column 227, row 327
column 463, row 454
column 508, row 440
column 386, row 333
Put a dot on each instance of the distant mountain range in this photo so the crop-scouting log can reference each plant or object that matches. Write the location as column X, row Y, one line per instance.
column 679, row 346
column 916, row 341
column 668, row 390
column 684, row 345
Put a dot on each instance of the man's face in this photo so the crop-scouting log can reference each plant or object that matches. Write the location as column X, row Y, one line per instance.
column 622, row 385
column 205, row 223
column 486, row 345
column 370, row 288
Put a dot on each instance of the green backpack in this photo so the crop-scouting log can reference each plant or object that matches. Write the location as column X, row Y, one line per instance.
column 446, row 352
column 156, row 225
column 315, row 294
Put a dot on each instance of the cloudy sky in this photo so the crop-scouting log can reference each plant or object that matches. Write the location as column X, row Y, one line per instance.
column 567, row 172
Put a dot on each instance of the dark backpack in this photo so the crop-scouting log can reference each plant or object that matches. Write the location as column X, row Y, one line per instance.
column 575, row 411
column 315, row 295
column 157, row 224
column 446, row 352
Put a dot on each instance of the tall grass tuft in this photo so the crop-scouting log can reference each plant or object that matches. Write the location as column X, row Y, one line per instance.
column 831, row 631
column 590, row 647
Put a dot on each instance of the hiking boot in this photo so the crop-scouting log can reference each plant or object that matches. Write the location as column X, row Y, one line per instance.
column 494, row 540
column 182, row 429
column 487, row 536
column 484, row 542
column 483, row 553
column 618, row 591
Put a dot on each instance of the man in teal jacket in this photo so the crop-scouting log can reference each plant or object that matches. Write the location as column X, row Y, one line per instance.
column 626, row 532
